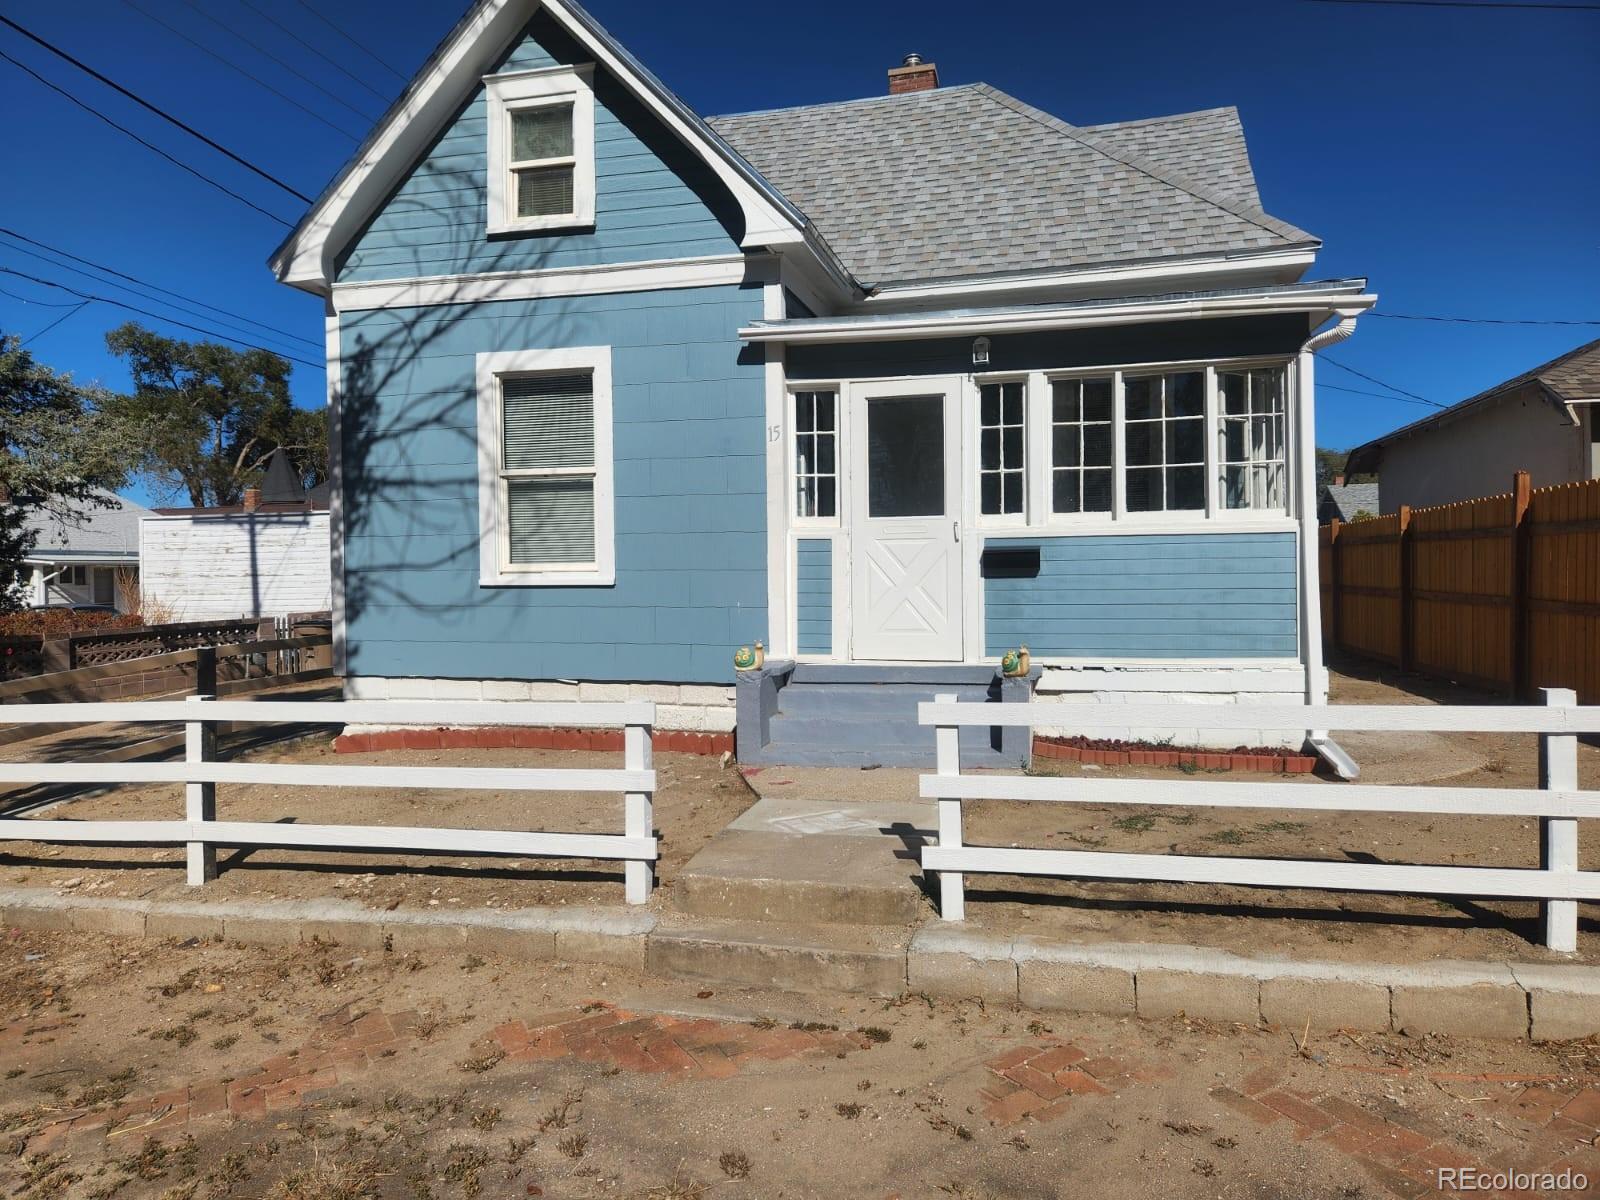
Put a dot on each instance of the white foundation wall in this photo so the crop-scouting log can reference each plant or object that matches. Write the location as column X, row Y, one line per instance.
column 693, row 707
column 1201, row 686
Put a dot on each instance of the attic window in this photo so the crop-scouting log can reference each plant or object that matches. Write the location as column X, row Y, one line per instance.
column 541, row 150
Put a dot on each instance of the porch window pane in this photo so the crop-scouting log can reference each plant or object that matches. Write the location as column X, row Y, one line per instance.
column 1080, row 441
column 1000, row 448
column 1250, row 440
column 816, row 454
column 1165, row 437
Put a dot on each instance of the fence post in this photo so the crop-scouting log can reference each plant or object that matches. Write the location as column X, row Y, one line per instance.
column 1521, row 581
column 1558, row 850
column 1407, row 627
column 638, row 754
column 200, row 799
column 947, row 759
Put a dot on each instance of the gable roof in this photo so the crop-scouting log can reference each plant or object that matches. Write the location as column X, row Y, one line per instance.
column 1345, row 500
column 88, row 530
column 1568, row 378
column 450, row 73
column 967, row 181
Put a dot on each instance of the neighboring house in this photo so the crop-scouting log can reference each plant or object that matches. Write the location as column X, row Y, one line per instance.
column 1346, row 501
column 77, row 559
column 891, row 385
column 267, row 557
column 1542, row 422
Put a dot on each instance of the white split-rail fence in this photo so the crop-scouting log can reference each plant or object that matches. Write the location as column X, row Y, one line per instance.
column 1557, row 802
column 202, row 832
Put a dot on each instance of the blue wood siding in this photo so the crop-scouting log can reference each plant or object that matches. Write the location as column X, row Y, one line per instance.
column 814, row 596
column 653, row 198
column 1196, row 595
column 690, row 458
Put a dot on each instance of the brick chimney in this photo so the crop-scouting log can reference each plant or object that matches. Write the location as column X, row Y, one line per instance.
column 1338, row 481
column 252, row 499
column 913, row 75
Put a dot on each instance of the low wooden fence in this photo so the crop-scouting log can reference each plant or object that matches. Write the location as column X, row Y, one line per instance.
column 1502, row 592
column 1557, row 803
column 201, row 831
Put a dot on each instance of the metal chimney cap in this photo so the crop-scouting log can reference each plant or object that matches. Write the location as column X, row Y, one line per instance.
column 912, row 60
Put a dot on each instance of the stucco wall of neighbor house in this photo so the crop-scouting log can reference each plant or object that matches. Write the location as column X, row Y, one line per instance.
column 1182, row 595
column 690, row 478
column 202, row 568
column 653, row 198
column 1477, row 455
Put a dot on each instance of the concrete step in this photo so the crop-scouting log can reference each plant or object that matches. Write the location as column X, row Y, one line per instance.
column 934, row 677
column 892, row 701
column 795, row 958
column 744, row 874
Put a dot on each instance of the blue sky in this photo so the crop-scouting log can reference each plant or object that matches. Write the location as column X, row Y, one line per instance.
column 1449, row 155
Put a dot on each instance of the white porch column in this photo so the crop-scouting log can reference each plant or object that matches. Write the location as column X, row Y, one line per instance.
column 37, row 586
column 1306, row 498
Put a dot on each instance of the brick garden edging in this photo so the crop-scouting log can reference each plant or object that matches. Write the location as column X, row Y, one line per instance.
column 1204, row 760
column 521, row 737
column 1148, row 980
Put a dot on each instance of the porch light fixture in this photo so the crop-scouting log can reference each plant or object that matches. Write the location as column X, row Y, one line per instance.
column 980, row 352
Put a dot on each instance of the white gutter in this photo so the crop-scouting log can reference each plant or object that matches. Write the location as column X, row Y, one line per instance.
column 913, row 326
column 1326, row 748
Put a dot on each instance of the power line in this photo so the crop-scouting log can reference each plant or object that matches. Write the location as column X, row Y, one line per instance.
column 233, row 66
column 265, row 53
column 145, row 312
column 40, row 303
column 160, row 112
column 334, row 63
column 1381, row 383
column 1465, row 4
column 1334, row 387
column 66, row 316
column 361, row 46
column 146, row 296
column 12, row 233
column 150, row 146
column 1476, row 320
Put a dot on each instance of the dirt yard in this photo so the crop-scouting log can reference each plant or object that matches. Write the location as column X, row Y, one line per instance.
column 696, row 797
column 197, row 1071
column 1320, row 924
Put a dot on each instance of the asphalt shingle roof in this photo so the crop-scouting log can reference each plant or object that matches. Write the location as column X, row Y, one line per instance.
column 1348, row 499
column 967, row 181
column 89, row 529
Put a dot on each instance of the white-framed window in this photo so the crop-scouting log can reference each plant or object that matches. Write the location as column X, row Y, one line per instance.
column 1081, row 444
column 1165, row 441
column 1185, row 442
column 541, row 149
column 1002, row 437
column 816, row 454
column 546, row 506
column 1251, row 413
column 75, row 576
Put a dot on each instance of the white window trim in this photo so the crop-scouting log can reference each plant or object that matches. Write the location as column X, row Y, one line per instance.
column 535, row 89
column 1033, row 504
column 792, row 462
column 494, row 567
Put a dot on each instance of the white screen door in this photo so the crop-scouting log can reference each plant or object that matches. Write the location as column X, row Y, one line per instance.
column 904, row 521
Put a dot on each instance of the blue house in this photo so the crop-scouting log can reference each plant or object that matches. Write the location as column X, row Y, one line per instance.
column 891, row 385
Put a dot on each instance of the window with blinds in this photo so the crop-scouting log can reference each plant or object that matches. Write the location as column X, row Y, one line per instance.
column 541, row 161
column 548, row 469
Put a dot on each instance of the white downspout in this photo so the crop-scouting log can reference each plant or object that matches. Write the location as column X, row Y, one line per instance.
column 1316, row 684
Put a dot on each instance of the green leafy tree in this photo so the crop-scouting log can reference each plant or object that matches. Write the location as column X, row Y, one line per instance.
column 206, row 417
column 62, row 451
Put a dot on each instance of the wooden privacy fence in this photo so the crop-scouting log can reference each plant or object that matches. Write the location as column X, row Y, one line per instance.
column 202, row 831
column 1557, row 803
column 1502, row 592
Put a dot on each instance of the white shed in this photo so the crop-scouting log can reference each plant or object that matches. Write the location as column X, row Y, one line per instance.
column 212, row 564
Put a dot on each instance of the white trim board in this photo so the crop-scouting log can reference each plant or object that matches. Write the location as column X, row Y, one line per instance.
column 715, row 270
column 521, row 91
